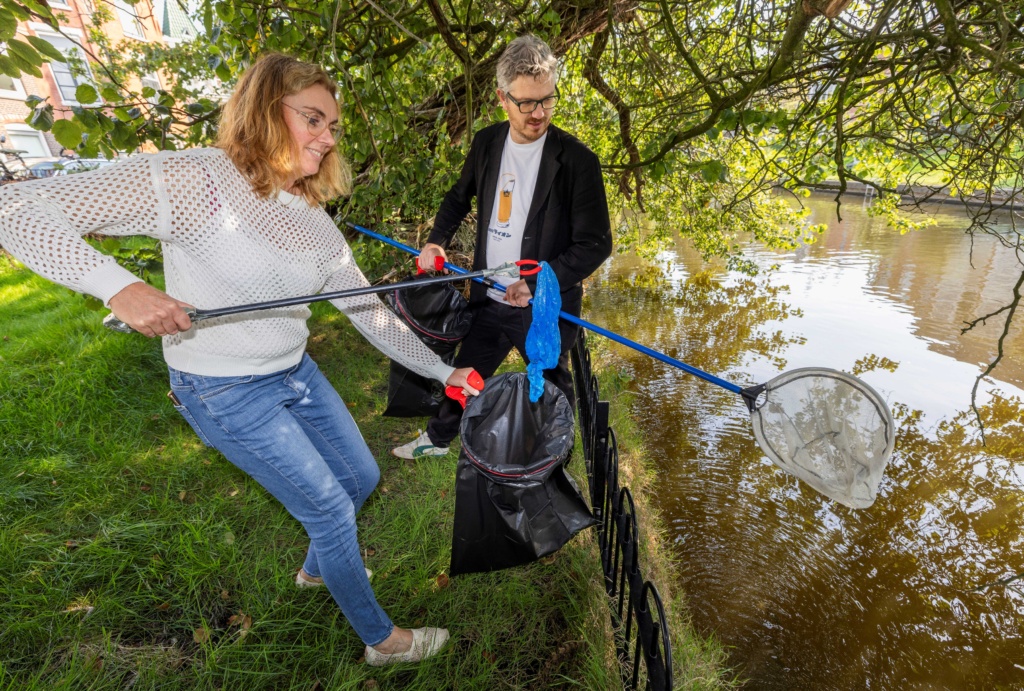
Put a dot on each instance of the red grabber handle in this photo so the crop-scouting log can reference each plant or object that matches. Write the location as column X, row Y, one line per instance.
column 455, row 392
column 438, row 266
column 533, row 264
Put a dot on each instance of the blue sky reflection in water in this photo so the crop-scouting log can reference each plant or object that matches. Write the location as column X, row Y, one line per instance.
column 805, row 592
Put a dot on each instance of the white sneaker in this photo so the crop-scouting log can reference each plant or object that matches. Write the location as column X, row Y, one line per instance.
column 304, row 580
column 419, row 447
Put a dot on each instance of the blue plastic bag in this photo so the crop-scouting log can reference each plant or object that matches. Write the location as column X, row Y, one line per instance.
column 543, row 340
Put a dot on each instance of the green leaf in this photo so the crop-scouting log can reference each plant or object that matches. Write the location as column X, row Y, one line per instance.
column 1001, row 108
column 121, row 135
column 68, row 133
column 86, row 117
column 8, row 67
column 110, row 244
column 148, row 92
column 86, row 93
column 8, row 24
column 25, row 66
column 33, row 101
column 46, row 48
column 713, row 171
column 41, row 118
column 110, row 94
column 18, row 11
column 223, row 71
column 225, row 11
column 20, row 49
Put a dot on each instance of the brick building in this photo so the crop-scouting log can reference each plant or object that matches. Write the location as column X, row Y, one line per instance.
column 59, row 80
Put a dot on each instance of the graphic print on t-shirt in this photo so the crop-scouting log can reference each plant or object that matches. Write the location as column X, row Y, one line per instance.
column 505, row 188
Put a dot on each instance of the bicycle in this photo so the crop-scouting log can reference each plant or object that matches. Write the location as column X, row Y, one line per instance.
column 6, row 173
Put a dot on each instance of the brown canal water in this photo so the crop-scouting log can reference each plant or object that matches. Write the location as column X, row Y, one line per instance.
column 803, row 592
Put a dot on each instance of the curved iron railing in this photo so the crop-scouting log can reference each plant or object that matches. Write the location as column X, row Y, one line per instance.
column 641, row 631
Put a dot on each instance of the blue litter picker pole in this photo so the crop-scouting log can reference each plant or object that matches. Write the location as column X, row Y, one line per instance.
column 572, row 319
column 823, row 426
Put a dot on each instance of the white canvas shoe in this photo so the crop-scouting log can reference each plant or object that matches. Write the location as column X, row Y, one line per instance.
column 419, row 447
column 304, row 580
column 425, row 642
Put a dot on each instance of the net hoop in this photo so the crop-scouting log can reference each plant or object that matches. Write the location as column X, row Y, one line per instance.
column 827, row 428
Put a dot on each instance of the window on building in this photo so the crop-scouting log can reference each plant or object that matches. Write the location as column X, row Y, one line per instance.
column 28, row 140
column 63, row 5
column 129, row 19
column 68, row 75
column 153, row 82
column 11, row 87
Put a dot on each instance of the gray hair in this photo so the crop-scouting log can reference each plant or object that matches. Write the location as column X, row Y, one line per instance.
column 527, row 55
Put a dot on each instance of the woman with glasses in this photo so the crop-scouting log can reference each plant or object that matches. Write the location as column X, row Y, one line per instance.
column 242, row 223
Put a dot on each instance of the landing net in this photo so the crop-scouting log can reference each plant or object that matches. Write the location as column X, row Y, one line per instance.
column 829, row 429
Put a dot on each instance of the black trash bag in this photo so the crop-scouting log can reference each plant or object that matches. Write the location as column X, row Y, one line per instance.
column 440, row 316
column 514, row 502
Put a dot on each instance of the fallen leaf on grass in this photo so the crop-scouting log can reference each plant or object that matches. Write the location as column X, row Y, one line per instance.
column 163, row 606
column 370, row 684
column 71, row 543
column 370, row 551
column 550, row 559
column 225, row 595
column 442, row 580
column 351, row 405
column 59, row 424
column 241, row 619
column 145, row 488
column 201, row 635
column 233, row 493
column 490, row 657
column 444, row 493
column 384, row 490
column 88, row 609
column 181, row 495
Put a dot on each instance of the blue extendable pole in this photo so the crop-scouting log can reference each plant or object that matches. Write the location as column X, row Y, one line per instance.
column 572, row 319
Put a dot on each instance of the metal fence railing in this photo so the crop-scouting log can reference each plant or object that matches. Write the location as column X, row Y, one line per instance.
column 638, row 616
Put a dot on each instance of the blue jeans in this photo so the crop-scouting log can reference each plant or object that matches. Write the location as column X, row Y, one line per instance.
column 292, row 433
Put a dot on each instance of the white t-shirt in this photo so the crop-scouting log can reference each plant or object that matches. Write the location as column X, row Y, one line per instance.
column 513, row 194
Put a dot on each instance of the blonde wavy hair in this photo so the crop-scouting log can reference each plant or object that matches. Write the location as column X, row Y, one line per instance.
column 255, row 137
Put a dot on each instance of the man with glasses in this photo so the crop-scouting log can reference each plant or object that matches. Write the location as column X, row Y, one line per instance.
column 539, row 195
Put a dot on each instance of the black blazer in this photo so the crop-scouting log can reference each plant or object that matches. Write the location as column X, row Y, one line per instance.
column 567, row 225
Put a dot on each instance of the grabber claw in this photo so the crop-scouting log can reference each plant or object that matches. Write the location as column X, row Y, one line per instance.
column 456, row 392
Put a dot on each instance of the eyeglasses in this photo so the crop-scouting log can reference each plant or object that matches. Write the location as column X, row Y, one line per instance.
column 316, row 124
column 527, row 106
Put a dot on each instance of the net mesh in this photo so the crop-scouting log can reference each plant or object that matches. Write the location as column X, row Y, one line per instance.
column 829, row 429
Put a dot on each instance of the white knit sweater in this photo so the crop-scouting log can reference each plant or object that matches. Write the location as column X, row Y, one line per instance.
column 222, row 244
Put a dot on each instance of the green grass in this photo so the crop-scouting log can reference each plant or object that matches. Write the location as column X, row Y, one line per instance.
column 132, row 556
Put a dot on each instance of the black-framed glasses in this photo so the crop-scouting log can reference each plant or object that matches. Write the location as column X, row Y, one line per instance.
column 316, row 123
column 527, row 106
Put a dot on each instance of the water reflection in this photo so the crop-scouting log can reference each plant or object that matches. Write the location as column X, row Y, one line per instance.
column 808, row 593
